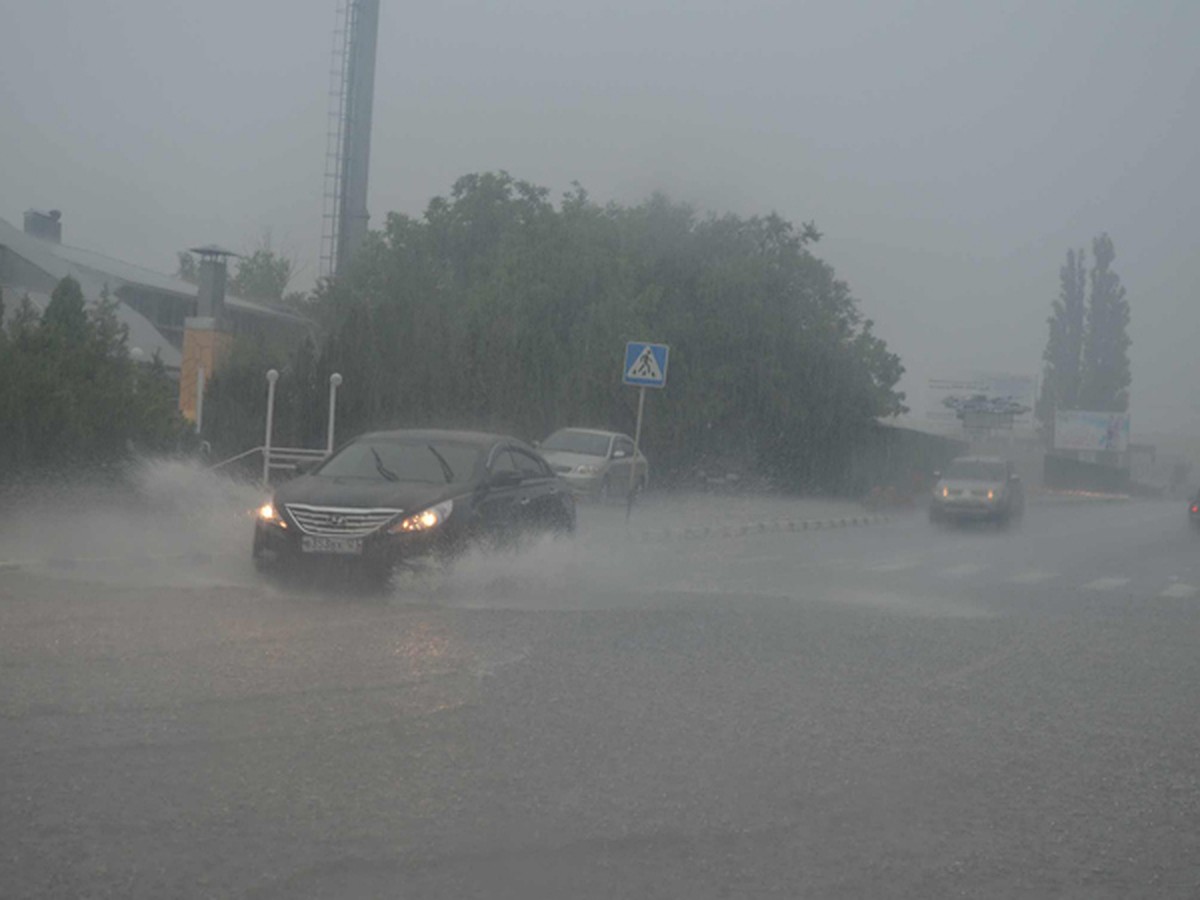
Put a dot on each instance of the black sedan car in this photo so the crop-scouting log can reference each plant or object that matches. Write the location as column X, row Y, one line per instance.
column 393, row 497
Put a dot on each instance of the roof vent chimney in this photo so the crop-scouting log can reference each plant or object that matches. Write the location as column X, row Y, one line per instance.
column 211, row 299
column 44, row 225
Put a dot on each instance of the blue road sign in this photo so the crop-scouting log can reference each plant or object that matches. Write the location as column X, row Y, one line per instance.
column 645, row 364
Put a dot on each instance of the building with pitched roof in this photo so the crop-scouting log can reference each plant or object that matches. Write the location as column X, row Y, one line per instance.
column 153, row 306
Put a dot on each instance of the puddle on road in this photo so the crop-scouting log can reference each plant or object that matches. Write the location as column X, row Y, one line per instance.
column 172, row 523
column 179, row 525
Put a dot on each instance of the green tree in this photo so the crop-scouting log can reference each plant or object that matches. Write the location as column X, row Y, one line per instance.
column 186, row 269
column 66, row 317
column 1063, row 356
column 69, row 394
column 1106, row 374
column 25, row 322
column 263, row 275
column 500, row 309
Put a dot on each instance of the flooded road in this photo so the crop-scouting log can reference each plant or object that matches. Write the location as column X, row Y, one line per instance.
column 884, row 709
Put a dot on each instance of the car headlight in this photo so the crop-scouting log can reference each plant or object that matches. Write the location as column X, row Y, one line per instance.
column 268, row 515
column 991, row 495
column 586, row 470
column 945, row 492
column 425, row 520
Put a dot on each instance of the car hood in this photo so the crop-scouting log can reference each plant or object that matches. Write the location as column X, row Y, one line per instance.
column 969, row 485
column 565, row 458
column 360, row 493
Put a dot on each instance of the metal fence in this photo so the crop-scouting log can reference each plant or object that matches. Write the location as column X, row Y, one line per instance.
column 288, row 458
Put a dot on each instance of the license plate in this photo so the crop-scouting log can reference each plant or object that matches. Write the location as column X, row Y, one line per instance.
column 335, row 545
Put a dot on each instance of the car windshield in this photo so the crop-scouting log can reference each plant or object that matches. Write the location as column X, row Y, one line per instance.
column 431, row 462
column 584, row 442
column 975, row 470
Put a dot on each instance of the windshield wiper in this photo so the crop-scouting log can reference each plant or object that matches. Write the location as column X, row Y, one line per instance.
column 383, row 470
column 446, row 470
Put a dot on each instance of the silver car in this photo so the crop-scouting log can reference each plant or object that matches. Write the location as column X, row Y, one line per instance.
column 978, row 488
column 596, row 463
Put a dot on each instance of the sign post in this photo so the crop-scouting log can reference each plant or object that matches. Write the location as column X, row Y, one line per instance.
column 199, row 398
column 272, row 377
column 335, row 381
column 645, row 366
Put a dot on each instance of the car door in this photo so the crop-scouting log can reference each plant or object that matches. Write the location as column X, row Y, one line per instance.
column 540, row 505
column 498, row 505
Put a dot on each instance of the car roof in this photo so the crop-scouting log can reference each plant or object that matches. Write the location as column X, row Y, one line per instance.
column 479, row 438
column 591, row 431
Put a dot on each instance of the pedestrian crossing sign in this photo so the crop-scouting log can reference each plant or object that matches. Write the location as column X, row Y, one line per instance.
column 645, row 364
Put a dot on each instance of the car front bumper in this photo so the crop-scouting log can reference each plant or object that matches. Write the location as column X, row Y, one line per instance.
column 278, row 547
column 966, row 511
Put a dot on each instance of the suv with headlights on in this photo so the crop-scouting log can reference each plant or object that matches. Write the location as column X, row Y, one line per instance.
column 977, row 488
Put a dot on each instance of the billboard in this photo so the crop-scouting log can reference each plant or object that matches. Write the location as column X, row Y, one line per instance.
column 1076, row 429
column 981, row 400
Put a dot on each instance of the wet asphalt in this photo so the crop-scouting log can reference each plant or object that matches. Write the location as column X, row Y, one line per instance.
column 891, row 710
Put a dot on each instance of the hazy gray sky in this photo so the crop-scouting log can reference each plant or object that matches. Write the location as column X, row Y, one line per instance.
column 950, row 152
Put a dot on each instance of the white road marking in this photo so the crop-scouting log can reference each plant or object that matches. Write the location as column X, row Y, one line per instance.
column 964, row 570
column 1033, row 576
column 1180, row 590
column 1105, row 584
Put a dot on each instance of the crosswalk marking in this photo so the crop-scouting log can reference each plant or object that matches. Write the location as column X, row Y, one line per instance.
column 1180, row 590
column 1106, row 584
column 1034, row 576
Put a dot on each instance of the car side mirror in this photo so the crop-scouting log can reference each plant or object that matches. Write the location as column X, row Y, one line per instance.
column 619, row 454
column 1014, row 477
column 937, row 474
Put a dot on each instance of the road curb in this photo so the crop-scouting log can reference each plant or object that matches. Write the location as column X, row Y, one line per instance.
column 754, row 528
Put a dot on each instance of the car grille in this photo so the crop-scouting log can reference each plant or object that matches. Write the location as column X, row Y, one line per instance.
column 333, row 521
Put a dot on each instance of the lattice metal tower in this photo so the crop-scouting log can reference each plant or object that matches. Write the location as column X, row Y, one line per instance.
column 348, row 145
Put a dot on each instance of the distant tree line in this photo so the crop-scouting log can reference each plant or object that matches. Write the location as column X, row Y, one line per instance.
column 1087, row 351
column 499, row 309
column 71, row 398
